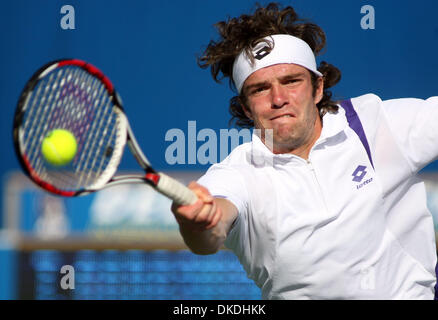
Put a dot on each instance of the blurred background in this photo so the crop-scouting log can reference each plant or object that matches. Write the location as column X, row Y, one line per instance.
column 123, row 242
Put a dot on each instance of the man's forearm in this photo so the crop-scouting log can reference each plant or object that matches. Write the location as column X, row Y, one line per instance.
column 204, row 225
column 206, row 241
column 211, row 240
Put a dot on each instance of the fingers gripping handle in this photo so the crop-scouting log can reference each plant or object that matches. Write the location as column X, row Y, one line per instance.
column 175, row 190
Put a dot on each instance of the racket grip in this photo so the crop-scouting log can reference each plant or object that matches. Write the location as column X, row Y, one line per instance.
column 175, row 190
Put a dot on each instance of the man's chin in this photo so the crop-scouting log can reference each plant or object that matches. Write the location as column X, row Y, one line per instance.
column 286, row 144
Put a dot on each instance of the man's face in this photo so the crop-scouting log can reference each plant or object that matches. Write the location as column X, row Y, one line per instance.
column 280, row 97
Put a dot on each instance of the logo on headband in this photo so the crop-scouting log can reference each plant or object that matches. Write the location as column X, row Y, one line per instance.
column 263, row 52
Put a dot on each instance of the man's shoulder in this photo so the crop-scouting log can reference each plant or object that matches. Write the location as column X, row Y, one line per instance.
column 365, row 101
column 367, row 107
column 238, row 156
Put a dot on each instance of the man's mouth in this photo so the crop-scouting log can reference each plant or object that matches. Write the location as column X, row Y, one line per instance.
column 286, row 115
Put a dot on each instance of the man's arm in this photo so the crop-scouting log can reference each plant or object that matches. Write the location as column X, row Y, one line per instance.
column 204, row 225
column 413, row 124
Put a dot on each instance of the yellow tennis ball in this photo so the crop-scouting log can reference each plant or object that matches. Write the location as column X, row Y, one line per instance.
column 59, row 147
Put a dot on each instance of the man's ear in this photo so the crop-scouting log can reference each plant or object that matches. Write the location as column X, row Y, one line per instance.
column 245, row 109
column 319, row 90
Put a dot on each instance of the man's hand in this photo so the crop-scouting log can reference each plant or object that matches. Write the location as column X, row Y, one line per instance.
column 203, row 215
column 204, row 225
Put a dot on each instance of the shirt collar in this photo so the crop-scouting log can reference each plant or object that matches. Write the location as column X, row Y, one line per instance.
column 333, row 123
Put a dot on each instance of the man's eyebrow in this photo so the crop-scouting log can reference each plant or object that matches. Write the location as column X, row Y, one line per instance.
column 256, row 85
column 282, row 78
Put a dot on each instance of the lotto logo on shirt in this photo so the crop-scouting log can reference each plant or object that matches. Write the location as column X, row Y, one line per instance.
column 359, row 174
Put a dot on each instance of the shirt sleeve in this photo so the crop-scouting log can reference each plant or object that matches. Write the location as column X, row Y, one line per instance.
column 226, row 182
column 414, row 123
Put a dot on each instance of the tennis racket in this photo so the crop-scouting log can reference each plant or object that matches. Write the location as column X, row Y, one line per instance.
column 76, row 96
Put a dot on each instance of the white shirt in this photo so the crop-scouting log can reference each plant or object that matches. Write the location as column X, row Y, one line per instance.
column 343, row 224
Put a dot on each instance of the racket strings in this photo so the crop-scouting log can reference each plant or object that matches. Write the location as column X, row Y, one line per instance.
column 96, row 162
column 88, row 171
column 50, row 118
column 40, row 110
column 70, row 98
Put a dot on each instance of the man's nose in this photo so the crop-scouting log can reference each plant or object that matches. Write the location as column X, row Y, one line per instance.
column 279, row 96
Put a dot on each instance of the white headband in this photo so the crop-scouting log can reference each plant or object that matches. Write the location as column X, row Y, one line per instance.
column 286, row 49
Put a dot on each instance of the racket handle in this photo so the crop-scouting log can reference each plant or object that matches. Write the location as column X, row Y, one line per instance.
column 175, row 190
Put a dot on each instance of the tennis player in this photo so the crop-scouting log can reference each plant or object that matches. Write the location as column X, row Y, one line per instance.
column 331, row 207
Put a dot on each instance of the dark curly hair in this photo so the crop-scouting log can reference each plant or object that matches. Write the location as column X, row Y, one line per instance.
column 243, row 33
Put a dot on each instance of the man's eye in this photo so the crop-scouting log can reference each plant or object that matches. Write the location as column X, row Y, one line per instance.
column 292, row 81
column 257, row 90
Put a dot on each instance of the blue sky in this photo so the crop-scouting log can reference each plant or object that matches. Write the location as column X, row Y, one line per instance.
column 149, row 50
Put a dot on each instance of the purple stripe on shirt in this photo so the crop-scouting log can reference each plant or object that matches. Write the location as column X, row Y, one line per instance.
column 356, row 125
